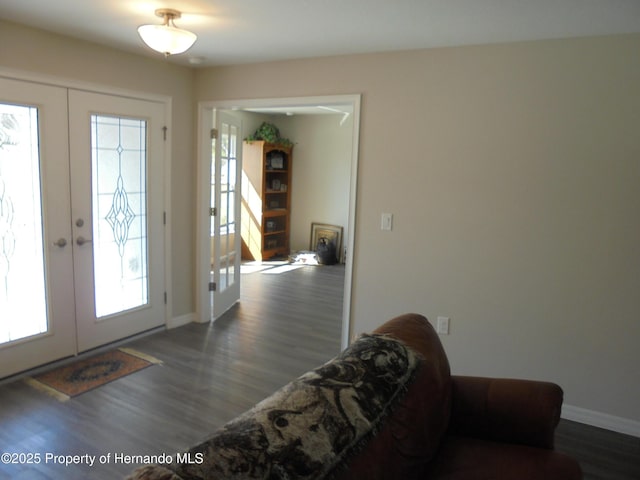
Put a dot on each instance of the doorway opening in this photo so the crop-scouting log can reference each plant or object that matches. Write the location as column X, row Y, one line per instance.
column 345, row 110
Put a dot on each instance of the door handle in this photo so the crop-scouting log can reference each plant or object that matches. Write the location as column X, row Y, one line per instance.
column 81, row 240
column 61, row 242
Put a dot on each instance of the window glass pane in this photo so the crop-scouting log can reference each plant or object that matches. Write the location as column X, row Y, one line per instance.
column 22, row 263
column 224, row 209
column 232, row 173
column 230, row 208
column 233, row 140
column 119, row 201
column 224, row 145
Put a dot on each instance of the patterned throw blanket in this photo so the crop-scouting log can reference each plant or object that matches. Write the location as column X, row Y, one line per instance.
column 309, row 427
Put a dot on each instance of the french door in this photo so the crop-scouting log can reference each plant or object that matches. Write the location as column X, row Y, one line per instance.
column 226, row 168
column 37, row 311
column 117, row 177
column 81, row 221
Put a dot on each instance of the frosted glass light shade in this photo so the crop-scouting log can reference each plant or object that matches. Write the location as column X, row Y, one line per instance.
column 166, row 38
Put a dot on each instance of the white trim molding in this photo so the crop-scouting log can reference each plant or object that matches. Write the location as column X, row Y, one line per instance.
column 602, row 420
column 180, row 321
column 203, row 254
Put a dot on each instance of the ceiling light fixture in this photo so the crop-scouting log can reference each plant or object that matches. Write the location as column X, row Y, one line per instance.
column 167, row 38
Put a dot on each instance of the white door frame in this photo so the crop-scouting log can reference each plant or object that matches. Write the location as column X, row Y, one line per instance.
column 205, row 124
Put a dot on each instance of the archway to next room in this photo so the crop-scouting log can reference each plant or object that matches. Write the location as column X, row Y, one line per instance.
column 308, row 119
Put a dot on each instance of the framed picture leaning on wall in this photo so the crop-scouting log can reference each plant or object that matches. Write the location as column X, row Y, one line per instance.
column 332, row 233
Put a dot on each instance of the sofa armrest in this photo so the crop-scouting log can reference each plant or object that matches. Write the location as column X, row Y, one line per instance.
column 507, row 410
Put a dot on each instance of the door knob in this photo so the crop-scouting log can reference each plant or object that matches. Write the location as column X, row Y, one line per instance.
column 61, row 242
column 81, row 240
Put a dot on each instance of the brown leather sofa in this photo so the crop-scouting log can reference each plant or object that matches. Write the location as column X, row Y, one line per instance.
column 440, row 427
column 478, row 428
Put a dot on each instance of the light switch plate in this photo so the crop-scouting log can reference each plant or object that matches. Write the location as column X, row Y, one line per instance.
column 386, row 221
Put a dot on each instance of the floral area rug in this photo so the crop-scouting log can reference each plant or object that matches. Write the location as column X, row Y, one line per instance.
column 309, row 427
column 83, row 375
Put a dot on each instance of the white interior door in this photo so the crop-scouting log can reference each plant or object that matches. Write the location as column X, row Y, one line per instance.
column 117, row 178
column 37, row 311
column 225, row 204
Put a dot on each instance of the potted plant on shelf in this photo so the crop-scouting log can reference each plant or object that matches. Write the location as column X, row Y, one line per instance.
column 269, row 133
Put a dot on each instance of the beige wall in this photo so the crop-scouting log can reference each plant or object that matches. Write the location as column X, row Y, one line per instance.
column 512, row 172
column 36, row 51
column 321, row 174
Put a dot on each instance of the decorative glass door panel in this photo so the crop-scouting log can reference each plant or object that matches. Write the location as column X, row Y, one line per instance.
column 120, row 264
column 22, row 260
column 37, row 310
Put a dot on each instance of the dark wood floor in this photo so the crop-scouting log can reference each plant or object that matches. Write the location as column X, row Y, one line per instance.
column 285, row 325
column 602, row 454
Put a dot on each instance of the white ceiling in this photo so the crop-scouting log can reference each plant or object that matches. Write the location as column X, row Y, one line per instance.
column 242, row 31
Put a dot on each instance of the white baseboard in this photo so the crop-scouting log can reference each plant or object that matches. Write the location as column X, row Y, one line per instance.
column 176, row 322
column 602, row 420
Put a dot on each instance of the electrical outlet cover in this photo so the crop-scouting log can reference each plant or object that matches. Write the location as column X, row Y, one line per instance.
column 442, row 325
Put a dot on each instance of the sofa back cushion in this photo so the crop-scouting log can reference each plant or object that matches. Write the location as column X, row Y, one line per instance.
column 377, row 411
column 412, row 432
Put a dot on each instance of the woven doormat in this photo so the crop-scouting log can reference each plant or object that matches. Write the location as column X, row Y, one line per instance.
column 79, row 377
